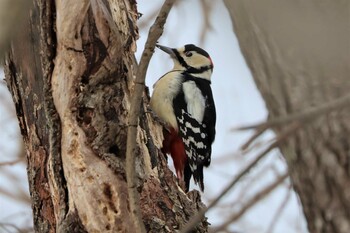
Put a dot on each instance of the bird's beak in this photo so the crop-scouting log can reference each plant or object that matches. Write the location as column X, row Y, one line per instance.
column 167, row 50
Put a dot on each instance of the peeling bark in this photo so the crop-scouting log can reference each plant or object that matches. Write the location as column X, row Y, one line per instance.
column 298, row 52
column 71, row 75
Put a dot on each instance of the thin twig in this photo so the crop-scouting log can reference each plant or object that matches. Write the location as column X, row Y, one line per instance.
column 252, row 201
column 237, row 155
column 280, row 138
column 246, row 186
column 12, row 162
column 4, row 225
column 279, row 211
column 259, row 131
column 139, row 84
column 206, row 27
column 307, row 115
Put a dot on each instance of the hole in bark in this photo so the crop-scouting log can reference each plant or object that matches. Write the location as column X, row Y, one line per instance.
column 85, row 79
column 85, row 115
column 108, row 227
column 110, row 114
column 107, row 191
column 114, row 149
column 125, row 68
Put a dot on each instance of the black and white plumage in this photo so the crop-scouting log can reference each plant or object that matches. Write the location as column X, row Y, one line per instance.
column 183, row 99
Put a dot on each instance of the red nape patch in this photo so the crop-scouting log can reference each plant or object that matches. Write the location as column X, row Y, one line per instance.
column 211, row 61
column 174, row 146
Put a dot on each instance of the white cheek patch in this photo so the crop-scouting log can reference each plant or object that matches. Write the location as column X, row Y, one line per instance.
column 195, row 100
column 197, row 60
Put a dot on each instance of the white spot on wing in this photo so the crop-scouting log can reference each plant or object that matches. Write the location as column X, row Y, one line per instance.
column 181, row 119
column 193, row 167
column 194, row 129
column 200, row 145
column 184, row 130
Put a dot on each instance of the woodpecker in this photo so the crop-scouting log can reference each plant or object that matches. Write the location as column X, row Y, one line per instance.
column 182, row 98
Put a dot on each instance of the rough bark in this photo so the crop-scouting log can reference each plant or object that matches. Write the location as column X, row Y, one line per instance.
column 71, row 75
column 298, row 52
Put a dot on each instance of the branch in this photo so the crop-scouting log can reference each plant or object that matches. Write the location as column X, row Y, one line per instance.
column 259, row 131
column 155, row 32
column 279, row 211
column 12, row 162
column 280, row 138
column 206, row 27
column 252, row 201
column 305, row 116
column 4, row 225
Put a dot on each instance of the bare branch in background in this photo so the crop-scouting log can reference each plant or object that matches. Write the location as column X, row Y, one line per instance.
column 302, row 117
column 247, row 185
column 5, row 227
column 206, row 6
column 259, row 131
column 10, row 160
column 154, row 33
column 279, row 211
column 295, row 71
column 251, row 202
column 280, row 138
column 236, row 155
column 310, row 114
column 9, row 163
column 16, row 191
column 8, row 227
column 206, row 9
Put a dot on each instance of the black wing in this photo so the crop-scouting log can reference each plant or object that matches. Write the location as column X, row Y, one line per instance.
column 197, row 136
column 209, row 119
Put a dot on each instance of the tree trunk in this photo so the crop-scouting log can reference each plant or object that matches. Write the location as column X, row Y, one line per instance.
column 298, row 52
column 71, row 76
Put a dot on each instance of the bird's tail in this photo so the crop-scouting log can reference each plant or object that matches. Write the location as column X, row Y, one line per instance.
column 197, row 177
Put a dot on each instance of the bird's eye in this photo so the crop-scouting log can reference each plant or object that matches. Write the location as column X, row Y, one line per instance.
column 188, row 54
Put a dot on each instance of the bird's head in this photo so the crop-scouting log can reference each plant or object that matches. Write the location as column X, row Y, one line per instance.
column 191, row 59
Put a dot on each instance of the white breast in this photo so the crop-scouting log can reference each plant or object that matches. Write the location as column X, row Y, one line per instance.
column 195, row 100
column 165, row 90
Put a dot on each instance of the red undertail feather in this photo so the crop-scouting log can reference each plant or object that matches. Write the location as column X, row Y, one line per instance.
column 174, row 146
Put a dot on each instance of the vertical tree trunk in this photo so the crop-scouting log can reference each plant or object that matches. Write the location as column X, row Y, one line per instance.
column 298, row 52
column 71, row 76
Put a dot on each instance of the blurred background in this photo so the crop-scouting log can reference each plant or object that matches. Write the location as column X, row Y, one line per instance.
column 208, row 25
